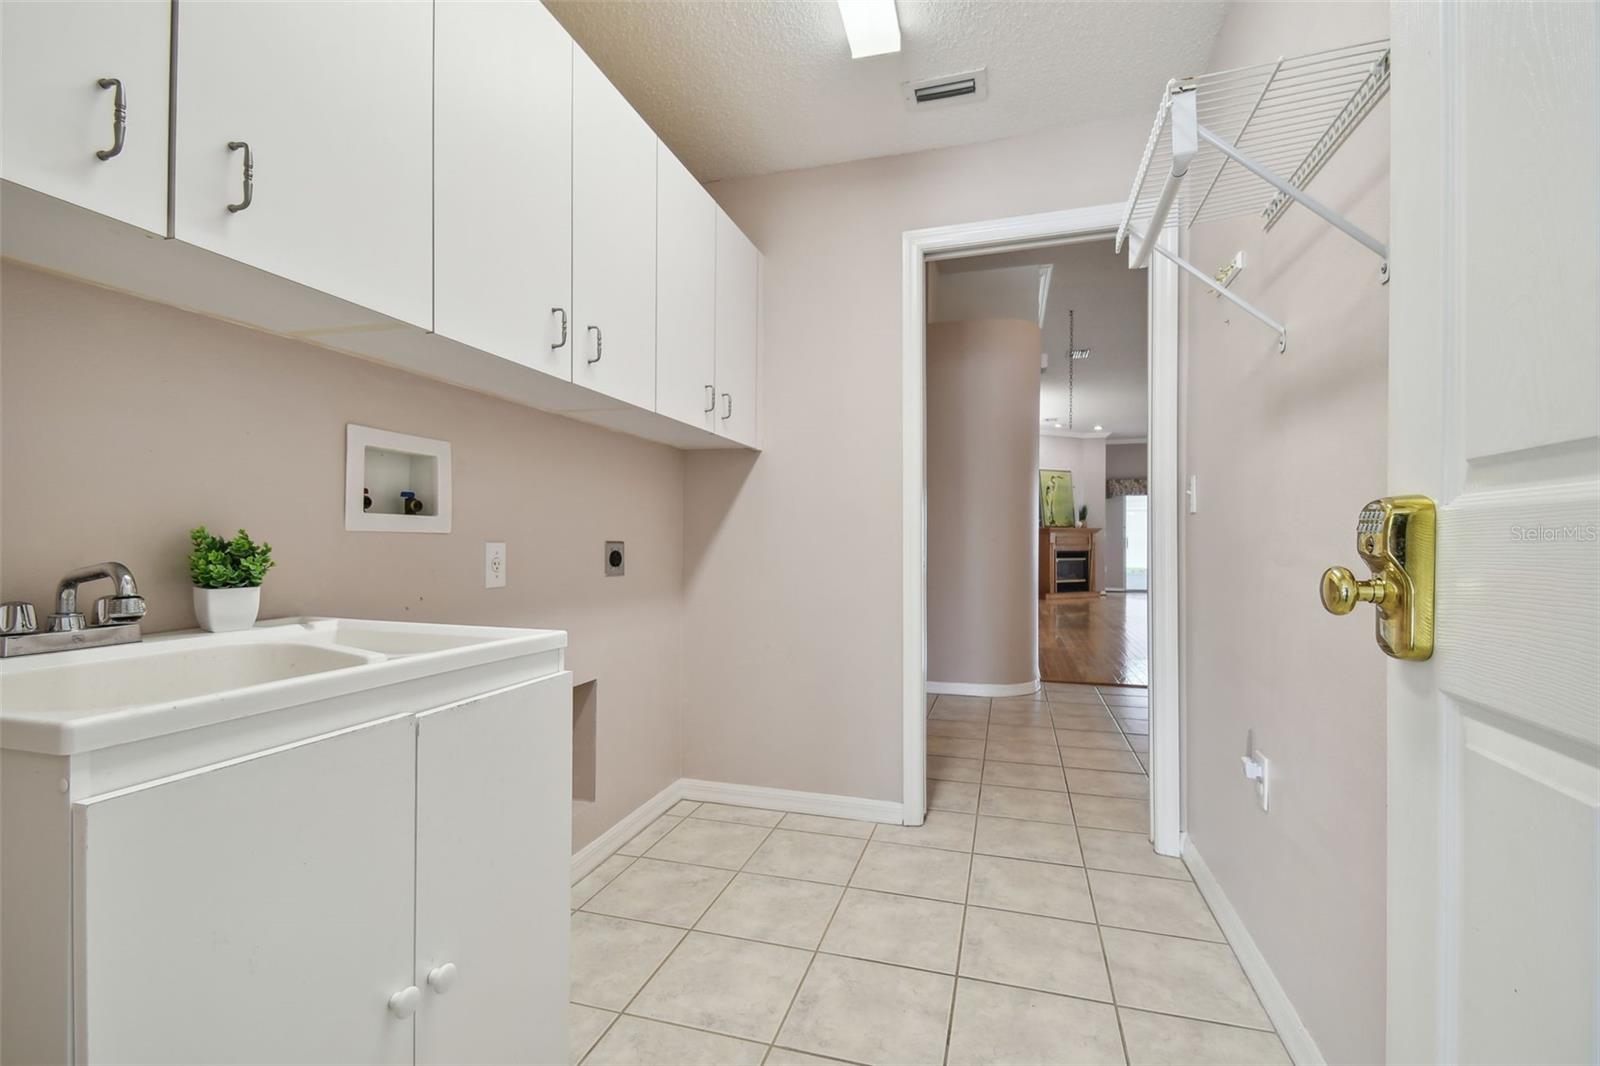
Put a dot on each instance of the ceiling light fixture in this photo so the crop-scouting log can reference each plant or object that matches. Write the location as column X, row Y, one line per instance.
column 1097, row 429
column 872, row 27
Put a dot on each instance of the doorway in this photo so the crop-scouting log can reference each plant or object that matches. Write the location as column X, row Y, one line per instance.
column 1029, row 232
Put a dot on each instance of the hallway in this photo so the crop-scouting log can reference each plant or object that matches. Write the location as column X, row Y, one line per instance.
column 1027, row 921
column 1095, row 640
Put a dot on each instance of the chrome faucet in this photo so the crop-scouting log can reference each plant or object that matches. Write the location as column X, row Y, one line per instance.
column 116, row 617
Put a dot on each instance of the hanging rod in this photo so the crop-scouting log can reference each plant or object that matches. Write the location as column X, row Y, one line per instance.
column 1292, row 114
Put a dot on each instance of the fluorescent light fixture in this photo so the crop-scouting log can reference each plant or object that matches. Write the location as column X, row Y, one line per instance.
column 1097, row 429
column 872, row 27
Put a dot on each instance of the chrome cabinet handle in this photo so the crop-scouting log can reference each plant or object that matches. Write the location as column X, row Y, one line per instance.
column 249, row 175
column 599, row 345
column 727, row 406
column 562, row 311
column 119, row 118
column 711, row 398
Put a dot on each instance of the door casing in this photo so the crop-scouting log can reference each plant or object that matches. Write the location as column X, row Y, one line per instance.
column 1014, row 234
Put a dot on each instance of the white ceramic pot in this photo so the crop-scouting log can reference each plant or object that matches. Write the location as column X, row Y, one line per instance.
column 227, row 610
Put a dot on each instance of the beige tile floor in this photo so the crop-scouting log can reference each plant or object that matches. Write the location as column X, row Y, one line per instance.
column 1028, row 921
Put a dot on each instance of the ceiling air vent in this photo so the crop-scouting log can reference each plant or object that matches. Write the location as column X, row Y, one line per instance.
column 946, row 90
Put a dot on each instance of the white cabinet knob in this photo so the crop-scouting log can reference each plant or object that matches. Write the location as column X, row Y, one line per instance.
column 404, row 1003
column 440, row 978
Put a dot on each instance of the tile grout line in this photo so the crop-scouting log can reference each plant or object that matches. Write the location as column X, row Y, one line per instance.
column 966, row 895
column 844, row 889
column 667, row 957
column 1099, row 931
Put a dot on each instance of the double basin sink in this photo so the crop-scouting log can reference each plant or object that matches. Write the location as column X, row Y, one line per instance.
column 71, row 701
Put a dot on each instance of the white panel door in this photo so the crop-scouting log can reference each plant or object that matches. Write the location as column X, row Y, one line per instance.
column 334, row 101
column 494, row 788
column 1494, row 744
column 613, row 240
column 255, row 911
column 738, row 331
column 686, row 295
column 59, row 119
column 503, row 181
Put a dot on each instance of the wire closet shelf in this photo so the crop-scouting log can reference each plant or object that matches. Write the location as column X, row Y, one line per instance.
column 1222, row 144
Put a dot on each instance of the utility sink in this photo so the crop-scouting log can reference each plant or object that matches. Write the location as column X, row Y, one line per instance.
column 72, row 701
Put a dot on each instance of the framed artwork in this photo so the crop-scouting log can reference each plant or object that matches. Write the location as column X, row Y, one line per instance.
column 1055, row 498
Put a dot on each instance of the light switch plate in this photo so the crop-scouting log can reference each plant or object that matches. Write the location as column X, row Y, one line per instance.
column 616, row 558
column 1194, row 494
column 494, row 564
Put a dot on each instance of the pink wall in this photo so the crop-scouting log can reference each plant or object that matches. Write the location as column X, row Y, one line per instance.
column 794, row 599
column 1287, row 448
column 125, row 423
column 983, row 506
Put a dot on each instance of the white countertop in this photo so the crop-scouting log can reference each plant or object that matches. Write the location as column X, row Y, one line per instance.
column 65, row 703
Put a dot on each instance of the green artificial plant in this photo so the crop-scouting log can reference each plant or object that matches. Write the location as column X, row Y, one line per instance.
column 239, row 563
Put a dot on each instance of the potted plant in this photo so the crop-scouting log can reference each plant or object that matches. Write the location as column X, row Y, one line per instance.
column 1083, row 515
column 226, row 575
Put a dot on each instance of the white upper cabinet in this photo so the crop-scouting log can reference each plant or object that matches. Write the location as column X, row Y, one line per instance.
column 331, row 102
column 686, row 295
column 503, row 181
column 738, row 320
column 66, row 67
column 613, row 241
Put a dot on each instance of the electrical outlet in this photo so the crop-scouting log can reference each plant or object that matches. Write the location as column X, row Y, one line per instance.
column 614, row 559
column 494, row 564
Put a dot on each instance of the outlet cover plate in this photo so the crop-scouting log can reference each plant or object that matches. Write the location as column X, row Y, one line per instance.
column 494, row 564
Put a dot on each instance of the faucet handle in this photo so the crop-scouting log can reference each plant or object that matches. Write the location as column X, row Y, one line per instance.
column 17, row 618
column 117, row 610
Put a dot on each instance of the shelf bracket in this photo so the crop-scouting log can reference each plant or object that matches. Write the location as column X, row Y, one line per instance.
column 1185, row 126
column 1238, row 301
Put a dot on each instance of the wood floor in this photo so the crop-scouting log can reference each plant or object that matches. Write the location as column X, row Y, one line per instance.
column 1095, row 640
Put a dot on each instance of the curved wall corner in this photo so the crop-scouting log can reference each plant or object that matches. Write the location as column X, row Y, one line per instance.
column 983, row 508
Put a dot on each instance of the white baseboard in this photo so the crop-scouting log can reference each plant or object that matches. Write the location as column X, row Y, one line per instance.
column 783, row 799
column 598, row 850
column 773, row 799
column 962, row 688
column 1297, row 1040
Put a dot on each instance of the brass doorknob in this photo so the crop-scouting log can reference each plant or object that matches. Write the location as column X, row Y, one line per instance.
column 1341, row 591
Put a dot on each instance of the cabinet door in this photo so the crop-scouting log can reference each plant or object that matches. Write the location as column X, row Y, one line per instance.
column 57, row 117
column 686, row 295
column 333, row 99
column 613, row 240
column 503, row 181
column 494, row 847
column 738, row 331
column 255, row 911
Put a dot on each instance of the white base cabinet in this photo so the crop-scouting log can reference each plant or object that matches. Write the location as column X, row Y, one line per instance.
column 258, row 910
column 388, row 886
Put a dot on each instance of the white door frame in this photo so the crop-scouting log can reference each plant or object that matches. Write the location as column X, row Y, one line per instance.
column 1010, row 234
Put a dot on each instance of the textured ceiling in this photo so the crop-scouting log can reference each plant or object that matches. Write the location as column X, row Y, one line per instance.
column 743, row 87
column 1108, row 388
